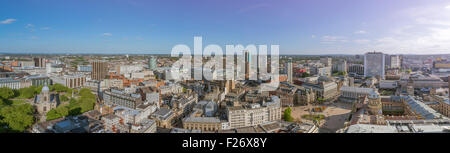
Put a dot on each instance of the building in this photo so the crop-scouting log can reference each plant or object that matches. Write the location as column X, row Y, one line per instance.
column 305, row 96
column 172, row 88
column 164, row 117
column 324, row 89
column 10, row 83
column 356, row 68
column 419, row 81
column 39, row 62
column 388, row 84
column 321, row 71
column 99, row 70
column 395, row 62
column 144, row 126
column 326, row 61
column 418, row 108
column 70, row 124
column 38, row 80
column 374, row 65
column 289, row 71
column 202, row 123
column 152, row 63
column 247, row 60
column 340, row 66
column 84, row 68
column 353, row 94
column 75, row 81
column 120, row 98
column 45, row 101
column 54, row 68
column 25, row 64
column 375, row 106
column 253, row 114
column 443, row 105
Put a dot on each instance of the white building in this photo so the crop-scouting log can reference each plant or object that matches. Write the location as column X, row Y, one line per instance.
column 254, row 114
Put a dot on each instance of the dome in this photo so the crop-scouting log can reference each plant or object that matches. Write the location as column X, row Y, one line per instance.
column 45, row 88
column 373, row 94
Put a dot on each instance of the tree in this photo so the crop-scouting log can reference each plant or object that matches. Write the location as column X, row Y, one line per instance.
column 287, row 115
column 320, row 99
column 305, row 74
column 27, row 92
column 17, row 117
column 53, row 114
column 59, row 88
column 38, row 89
column 63, row 98
column 6, row 93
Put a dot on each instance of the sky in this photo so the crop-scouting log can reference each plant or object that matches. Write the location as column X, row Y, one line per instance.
column 155, row 26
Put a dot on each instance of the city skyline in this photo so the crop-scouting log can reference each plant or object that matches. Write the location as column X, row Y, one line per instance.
column 299, row 27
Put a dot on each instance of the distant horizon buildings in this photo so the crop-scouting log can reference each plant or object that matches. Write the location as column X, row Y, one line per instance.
column 374, row 64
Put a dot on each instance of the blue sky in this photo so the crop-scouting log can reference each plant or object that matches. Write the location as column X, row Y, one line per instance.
column 155, row 26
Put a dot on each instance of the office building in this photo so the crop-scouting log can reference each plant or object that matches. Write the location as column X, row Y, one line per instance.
column 39, row 62
column 374, row 65
column 99, row 70
column 289, row 71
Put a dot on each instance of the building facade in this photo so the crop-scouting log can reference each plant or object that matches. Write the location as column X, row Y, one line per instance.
column 374, row 65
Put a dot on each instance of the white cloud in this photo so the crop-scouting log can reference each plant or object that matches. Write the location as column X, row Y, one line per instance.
column 333, row 39
column 107, row 34
column 313, row 36
column 447, row 7
column 29, row 26
column 426, row 29
column 8, row 21
column 45, row 28
column 361, row 41
column 360, row 32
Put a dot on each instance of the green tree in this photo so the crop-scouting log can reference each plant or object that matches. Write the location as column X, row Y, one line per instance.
column 59, row 88
column 6, row 93
column 53, row 114
column 305, row 74
column 17, row 117
column 63, row 98
column 27, row 92
column 38, row 89
column 287, row 115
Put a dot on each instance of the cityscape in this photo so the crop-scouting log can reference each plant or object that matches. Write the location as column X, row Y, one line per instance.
column 58, row 77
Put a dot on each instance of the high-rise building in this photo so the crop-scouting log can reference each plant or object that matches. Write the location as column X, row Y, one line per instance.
column 152, row 63
column 247, row 64
column 99, row 70
column 289, row 71
column 39, row 62
column 374, row 64
column 395, row 61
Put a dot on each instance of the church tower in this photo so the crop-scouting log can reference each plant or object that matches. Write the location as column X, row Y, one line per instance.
column 375, row 106
column 44, row 102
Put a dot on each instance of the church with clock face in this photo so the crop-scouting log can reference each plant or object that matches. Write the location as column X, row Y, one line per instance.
column 45, row 101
